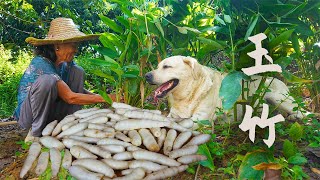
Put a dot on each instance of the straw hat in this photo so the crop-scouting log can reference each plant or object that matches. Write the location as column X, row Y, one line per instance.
column 62, row 30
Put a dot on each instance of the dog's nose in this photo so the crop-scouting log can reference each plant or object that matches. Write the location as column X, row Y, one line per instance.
column 148, row 77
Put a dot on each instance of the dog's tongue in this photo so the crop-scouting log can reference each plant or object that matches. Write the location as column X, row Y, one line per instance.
column 158, row 92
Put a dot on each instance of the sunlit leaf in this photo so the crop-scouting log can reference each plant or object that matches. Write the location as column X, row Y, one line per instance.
column 182, row 30
column 281, row 38
column 216, row 17
column 112, row 25
column 297, row 159
column 203, row 149
column 105, row 96
column 296, row 131
column 253, row 23
column 227, row 18
column 294, row 79
column 213, row 43
column 288, row 149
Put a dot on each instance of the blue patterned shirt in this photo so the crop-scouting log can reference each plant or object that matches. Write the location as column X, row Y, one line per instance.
column 37, row 67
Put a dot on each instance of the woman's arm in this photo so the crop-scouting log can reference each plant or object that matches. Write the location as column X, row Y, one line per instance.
column 70, row 97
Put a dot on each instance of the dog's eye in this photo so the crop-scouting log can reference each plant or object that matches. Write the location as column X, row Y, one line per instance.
column 166, row 66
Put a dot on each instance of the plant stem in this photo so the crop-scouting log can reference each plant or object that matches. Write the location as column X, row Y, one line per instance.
column 232, row 49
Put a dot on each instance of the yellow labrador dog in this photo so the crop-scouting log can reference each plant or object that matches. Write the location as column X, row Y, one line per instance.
column 193, row 89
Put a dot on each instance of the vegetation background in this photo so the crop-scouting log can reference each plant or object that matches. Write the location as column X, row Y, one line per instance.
column 136, row 35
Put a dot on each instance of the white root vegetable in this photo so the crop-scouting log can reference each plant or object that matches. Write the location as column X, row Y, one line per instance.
column 154, row 157
column 82, row 173
column 145, row 115
column 164, row 173
column 125, row 132
column 67, row 159
column 99, row 120
column 181, row 139
column 121, row 111
column 74, row 129
column 199, row 139
column 187, row 123
column 80, row 133
column 69, row 124
column 90, row 113
column 95, row 166
column 49, row 128
column 148, row 140
column 113, row 148
column 110, row 123
column 51, row 142
column 93, row 117
column 65, row 120
column 147, row 165
column 118, row 105
column 116, row 117
column 121, row 136
column 43, row 161
column 85, row 139
column 126, row 171
column 33, row 153
column 156, row 131
column 132, row 124
column 162, row 138
column 85, row 111
column 135, row 137
column 55, row 158
column 191, row 158
column 109, row 130
column 80, row 152
column 123, row 156
column 183, row 151
column 97, row 126
column 116, row 164
column 136, row 174
column 97, row 133
column 106, row 141
column 168, row 143
column 133, row 148
column 94, row 149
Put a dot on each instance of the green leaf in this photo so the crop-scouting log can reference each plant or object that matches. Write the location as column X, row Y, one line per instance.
column 251, row 159
column 104, row 75
column 284, row 62
column 105, row 96
column 227, row 18
column 211, row 42
column 106, row 51
column 115, row 40
column 296, row 131
column 216, row 17
column 203, row 149
column 112, row 25
column 294, row 79
column 230, row 89
column 253, row 23
column 288, row 149
column 281, row 38
column 297, row 159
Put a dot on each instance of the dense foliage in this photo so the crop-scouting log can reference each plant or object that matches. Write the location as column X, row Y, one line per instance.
column 138, row 34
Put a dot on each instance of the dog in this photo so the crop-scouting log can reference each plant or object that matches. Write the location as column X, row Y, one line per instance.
column 193, row 89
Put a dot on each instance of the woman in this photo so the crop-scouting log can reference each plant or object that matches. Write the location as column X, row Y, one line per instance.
column 52, row 85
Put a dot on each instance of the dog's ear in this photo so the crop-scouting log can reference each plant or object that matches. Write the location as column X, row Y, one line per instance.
column 195, row 66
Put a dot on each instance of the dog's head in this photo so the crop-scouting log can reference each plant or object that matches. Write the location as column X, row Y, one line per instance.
column 174, row 73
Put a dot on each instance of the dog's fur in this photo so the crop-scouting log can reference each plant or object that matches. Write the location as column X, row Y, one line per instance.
column 197, row 94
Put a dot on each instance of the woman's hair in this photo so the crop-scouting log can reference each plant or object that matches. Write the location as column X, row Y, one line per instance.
column 46, row 51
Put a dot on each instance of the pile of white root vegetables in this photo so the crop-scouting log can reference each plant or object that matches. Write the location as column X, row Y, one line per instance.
column 123, row 142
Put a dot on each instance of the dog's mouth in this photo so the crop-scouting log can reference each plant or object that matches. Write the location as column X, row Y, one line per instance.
column 164, row 88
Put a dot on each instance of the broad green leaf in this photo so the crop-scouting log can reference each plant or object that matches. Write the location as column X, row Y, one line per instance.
column 230, row 89
column 203, row 149
column 133, row 86
column 281, row 25
column 104, row 75
column 123, row 21
column 100, row 62
column 283, row 62
column 294, row 79
column 106, row 42
column 106, row 51
column 296, row 131
column 281, row 38
column 115, row 40
column 105, row 96
column 297, row 159
column 251, row 159
column 210, row 42
column 227, row 18
column 288, row 149
column 192, row 29
column 112, row 25
column 158, row 25
column 216, row 17
column 253, row 23
column 295, row 43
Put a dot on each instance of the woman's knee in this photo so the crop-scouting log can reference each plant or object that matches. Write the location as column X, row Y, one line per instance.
column 46, row 82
